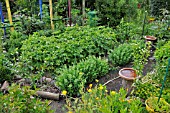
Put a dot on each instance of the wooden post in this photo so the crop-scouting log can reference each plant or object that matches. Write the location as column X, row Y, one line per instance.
column 51, row 14
column 83, row 10
column 9, row 14
column 69, row 11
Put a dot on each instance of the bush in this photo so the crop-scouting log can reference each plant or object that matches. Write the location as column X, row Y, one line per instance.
column 73, row 79
column 121, row 55
column 21, row 100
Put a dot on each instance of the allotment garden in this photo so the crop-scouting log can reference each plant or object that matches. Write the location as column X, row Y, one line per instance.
column 80, row 56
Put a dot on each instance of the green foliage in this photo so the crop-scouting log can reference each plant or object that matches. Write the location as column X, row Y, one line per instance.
column 162, row 55
column 13, row 45
column 121, row 55
column 141, row 52
column 145, row 90
column 5, row 72
column 28, row 5
column 99, row 101
column 111, row 11
column 160, row 106
column 40, row 53
column 156, row 5
column 21, row 100
column 73, row 79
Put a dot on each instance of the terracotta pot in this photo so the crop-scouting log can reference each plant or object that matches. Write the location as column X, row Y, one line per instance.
column 150, row 38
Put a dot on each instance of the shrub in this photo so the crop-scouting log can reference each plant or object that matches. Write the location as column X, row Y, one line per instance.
column 21, row 100
column 121, row 55
column 73, row 79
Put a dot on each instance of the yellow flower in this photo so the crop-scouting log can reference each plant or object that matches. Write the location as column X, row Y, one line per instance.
column 70, row 112
column 101, row 87
column 90, row 85
column 151, row 19
column 97, row 98
column 112, row 92
column 81, row 73
column 106, row 91
column 168, row 28
column 64, row 92
column 129, row 100
column 97, row 80
column 89, row 90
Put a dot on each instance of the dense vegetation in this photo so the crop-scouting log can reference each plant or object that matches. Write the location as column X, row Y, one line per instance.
column 78, row 58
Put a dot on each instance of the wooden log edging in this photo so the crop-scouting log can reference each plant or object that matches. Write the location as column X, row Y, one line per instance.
column 48, row 95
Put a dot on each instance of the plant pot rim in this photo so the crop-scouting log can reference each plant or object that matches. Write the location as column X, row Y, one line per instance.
column 131, row 75
column 150, row 38
column 151, row 110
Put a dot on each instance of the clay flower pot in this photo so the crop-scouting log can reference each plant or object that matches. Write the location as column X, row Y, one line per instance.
column 152, row 105
column 151, row 39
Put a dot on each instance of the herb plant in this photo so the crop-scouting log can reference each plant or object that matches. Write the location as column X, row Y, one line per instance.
column 121, row 55
column 73, row 79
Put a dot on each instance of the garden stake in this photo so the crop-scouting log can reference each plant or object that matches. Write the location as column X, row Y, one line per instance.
column 40, row 3
column 9, row 14
column 164, row 79
column 2, row 19
column 144, row 23
column 51, row 14
column 83, row 10
column 69, row 11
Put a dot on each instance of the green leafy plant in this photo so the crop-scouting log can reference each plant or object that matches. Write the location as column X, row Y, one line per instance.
column 145, row 90
column 162, row 55
column 121, row 55
column 98, row 100
column 21, row 100
column 5, row 72
column 155, row 106
column 141, row 52
column 111, row 12
column 73, row 79
column 40, row 53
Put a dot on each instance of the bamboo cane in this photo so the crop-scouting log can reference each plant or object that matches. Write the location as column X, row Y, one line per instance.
column 51, row 14
column 9, row 14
